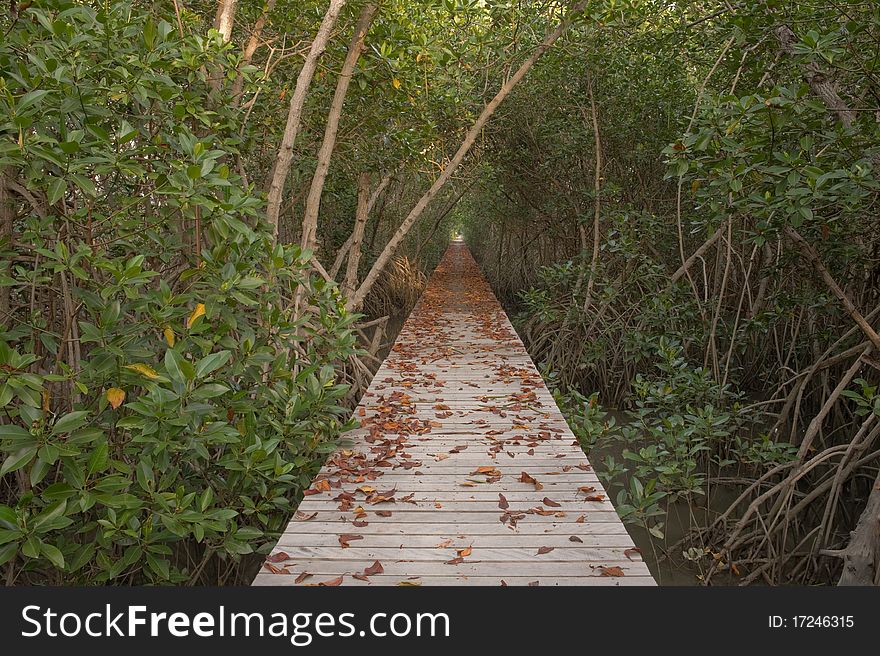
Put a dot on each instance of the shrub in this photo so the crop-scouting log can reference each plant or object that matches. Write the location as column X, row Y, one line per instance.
column 162, row 404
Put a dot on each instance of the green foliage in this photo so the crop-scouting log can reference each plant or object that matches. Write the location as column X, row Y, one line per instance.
column 682, row 430
column 163, row 408
column 777, row 159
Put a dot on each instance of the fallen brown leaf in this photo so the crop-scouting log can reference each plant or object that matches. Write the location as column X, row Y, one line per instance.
column 345, row 538
column 526, row 478
column 632, row 551
column 276, row 570
column 375, row 568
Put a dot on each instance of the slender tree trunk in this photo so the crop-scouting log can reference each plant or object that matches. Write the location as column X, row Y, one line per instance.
column 820, row 84
column 7, row 219
column 357, row 236
column 861, row 558
column 225, row 18
column 313, row 201
column 764, row 281
column 294, row 114
column 698, row 253
column 249, row 50
column 597, row 188
column 223, row 23
column 357, row 299
column 344, row 249
column 811, row 254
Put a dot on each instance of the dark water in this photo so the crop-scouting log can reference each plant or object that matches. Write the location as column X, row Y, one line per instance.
column 680, row 519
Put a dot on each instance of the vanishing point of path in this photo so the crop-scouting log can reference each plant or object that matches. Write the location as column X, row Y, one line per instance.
column 463, row 470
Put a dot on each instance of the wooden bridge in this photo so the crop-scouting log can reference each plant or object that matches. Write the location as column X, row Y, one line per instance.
column 463, row 470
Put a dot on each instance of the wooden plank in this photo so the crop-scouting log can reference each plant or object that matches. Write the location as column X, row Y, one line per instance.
column 436, row 515
column 265, row 578
column 319, row 566
column 289, row 542
column 452, row 419
column 458, row 529
column 523, row 556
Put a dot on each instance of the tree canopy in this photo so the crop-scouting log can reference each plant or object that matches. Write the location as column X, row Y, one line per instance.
column 212, row 215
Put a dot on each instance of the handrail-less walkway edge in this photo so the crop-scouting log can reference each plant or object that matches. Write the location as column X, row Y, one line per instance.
column 463, row 471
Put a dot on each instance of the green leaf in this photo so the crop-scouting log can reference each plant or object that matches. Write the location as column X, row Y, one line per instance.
column 8, row 518
column 18, row 460
column 70, row 422
column 99, row 459
column 7, row 552
column 54, row 554
column 13, row 432
column 85, row 184
column 212, row 362
column 206, row 499
column 30, row 98
column 159, row 566
column 31, row 547
column 150, row 34
column 172, row 365
column 50, row 514
column 56, row 190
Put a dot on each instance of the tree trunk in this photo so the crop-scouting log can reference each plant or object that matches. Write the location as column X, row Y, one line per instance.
column 249, row 50
column 7, row 219
column 344, row 249
column 223, row 22
column 861, row 558
column 698, row 253
column 597, row 188
column 313, row 201
column 819, row 83
column 294, row 114
column 357, row 236
column 225, row 18
column 470, row 138
column 811, row 254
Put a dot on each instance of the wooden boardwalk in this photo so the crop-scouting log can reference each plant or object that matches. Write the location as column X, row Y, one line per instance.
column 463, row 470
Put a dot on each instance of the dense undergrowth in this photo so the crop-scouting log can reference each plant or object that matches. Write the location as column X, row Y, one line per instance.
column 162, row 407
column 208, row 236
column 695, row 247
column 211, row 211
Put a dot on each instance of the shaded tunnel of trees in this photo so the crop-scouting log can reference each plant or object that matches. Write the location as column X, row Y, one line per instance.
column 215, row 215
